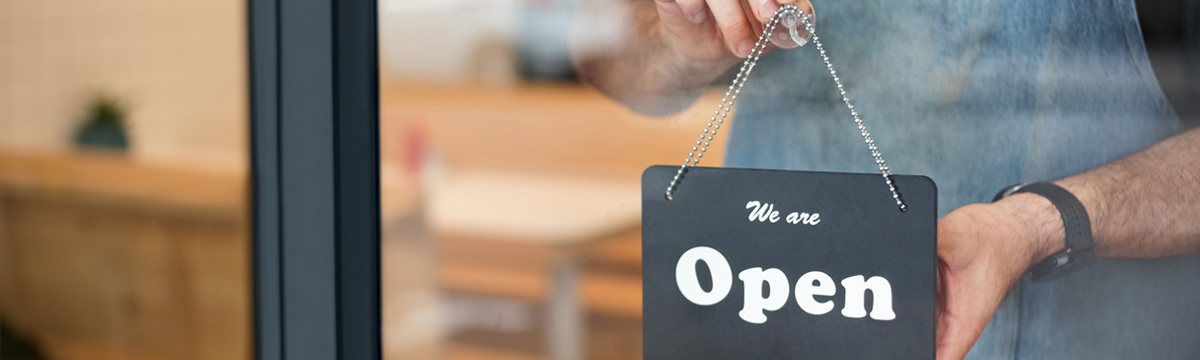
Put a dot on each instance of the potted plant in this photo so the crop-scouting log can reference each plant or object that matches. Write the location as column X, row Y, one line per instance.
column 105, row 125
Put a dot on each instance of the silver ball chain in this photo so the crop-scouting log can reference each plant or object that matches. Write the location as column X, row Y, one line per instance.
column 739, row 81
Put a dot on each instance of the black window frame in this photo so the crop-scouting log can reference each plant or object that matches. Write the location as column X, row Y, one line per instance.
column 315, row 166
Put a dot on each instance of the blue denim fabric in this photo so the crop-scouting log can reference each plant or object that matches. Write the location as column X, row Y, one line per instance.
column 979, row 95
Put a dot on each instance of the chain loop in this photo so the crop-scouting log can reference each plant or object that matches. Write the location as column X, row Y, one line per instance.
column 883, row 167
column 739, row 81
column 728, row 101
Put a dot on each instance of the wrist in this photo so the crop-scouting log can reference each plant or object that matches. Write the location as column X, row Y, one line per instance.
column 1037, row 224
column 1091, row 196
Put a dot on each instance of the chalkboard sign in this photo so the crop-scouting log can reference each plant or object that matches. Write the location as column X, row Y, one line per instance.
column 767, row 264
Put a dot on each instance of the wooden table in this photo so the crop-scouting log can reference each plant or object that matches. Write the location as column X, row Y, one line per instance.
column 521, row 235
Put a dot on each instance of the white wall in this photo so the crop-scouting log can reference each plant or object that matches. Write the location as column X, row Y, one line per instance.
column 448, row 40
column 180, row 65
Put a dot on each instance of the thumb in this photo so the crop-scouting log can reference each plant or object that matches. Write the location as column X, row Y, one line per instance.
column 764, row 9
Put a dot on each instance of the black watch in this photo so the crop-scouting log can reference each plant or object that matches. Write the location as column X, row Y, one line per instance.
column 1080, row 250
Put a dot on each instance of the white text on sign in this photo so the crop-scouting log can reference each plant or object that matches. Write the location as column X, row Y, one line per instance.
column 808, row 287
column 761, row 212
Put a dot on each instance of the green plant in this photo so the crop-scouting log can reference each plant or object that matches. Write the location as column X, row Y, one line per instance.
column 104, row 125
column 105, row 109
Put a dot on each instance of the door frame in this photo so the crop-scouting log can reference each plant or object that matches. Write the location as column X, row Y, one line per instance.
column 315, row 172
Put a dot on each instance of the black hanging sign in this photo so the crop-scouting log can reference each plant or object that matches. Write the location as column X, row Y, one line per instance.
column 768, row 264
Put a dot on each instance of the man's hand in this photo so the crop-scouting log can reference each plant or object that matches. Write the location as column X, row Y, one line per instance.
column 708, row 31
column 983, row 249
column 676, row 49
column 1143, row 206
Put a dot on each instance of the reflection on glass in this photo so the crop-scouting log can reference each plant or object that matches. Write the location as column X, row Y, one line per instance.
column 124, row 230
column 510, row 191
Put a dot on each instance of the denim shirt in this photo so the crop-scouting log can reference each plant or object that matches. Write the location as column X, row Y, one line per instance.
column 979, row 95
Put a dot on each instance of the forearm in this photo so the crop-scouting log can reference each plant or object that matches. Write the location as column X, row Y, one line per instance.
column 644, row 71
column 1144, row 206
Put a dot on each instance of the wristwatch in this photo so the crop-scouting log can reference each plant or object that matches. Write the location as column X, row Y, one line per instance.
column 1080, row 250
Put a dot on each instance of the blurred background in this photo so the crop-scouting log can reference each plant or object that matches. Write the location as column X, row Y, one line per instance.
column 511, row 194
column 124, row 231
column 510, row 191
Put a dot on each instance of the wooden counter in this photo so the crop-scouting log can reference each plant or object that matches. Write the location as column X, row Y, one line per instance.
column 562, row 128
column 101, row 258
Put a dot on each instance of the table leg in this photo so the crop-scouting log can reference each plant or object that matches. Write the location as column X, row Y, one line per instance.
column 565, row 322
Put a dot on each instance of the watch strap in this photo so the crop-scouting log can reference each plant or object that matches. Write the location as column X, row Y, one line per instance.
column 1080, row 247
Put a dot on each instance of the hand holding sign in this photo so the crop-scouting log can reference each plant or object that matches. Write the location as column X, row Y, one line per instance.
column 983, row 249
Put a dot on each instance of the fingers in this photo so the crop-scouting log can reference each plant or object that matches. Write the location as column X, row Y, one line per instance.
column 671, row 13
column 756, row 28
column 764, row 9
column 735, row 23
column 734, row 26
column 694, row 10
